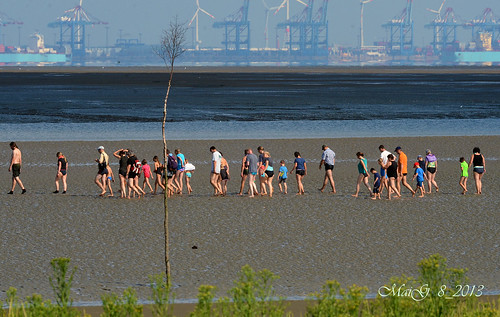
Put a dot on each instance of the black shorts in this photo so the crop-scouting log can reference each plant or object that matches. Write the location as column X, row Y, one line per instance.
column 301, row 172
column 103, row 171
column 364, row 174
column 270, row 173
column 282, row 180
column 16, row 170
column 431, row 170
column 63, row 172
column 479, row 170
column 123, row 173
column 328, row 167
column 223, row 174
column 132, row 175
column 245, row 171
column 404, row 174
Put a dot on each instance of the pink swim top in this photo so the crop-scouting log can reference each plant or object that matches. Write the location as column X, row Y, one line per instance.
column 146, row 170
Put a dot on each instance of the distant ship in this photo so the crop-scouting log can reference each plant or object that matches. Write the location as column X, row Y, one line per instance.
column 40, row 55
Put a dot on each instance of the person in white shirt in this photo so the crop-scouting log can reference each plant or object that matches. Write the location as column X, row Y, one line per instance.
column 214, row 175
column 383, row 171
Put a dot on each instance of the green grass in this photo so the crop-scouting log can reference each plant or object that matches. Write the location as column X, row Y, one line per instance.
column 438, row 291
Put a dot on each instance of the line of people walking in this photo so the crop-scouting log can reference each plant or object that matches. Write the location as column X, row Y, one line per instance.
column 257, row 170
column 392, row 176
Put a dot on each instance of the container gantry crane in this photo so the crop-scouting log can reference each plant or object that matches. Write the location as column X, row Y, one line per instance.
column 401, row 32
column 486, row 30
column 308, row 33
column 6, row 20
column 444, row 28
column 236, row 30
column 71, row 27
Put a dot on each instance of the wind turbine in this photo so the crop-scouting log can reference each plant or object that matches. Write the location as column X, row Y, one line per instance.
column 268, row 10
column 196, row 17
column 287, row 4
column 361, row 28
column 438, row 12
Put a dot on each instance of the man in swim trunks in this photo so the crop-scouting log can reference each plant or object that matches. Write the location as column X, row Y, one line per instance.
column 15, row 166
column 402, row 171
column 328, row 158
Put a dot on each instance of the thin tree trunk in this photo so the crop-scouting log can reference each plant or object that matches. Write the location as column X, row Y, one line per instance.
column 165, row 194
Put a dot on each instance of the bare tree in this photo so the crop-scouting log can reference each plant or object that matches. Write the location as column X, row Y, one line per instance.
column 171, row 47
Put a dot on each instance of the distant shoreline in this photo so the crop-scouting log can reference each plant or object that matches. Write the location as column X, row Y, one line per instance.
column 258, row 69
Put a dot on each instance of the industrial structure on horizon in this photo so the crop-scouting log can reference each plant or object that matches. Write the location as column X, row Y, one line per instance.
column 301, row 38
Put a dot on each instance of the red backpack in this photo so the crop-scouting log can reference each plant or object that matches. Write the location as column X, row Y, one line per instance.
column 136, row 168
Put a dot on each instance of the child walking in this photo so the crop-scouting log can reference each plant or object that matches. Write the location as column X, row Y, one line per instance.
column 464, row 167
column 147, row 175
column 376, row 184
column 189, row 168
column 159, row 172
column 282, row 176
column 419, row 174
column 111, row 178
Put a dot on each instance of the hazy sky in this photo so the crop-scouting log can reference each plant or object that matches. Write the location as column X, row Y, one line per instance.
column 147, row 18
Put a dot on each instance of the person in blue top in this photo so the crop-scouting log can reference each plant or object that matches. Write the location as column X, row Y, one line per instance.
column 179, row 174
column 376, row 184
column 283, row 175
column 419, row 174
column 301, row 170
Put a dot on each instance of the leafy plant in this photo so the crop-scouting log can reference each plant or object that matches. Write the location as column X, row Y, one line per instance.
column 126, row 305
column 204, row 307
column 162, row 295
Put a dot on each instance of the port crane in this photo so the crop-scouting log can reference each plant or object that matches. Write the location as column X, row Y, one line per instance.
column 307, row 32
column 444, row 29
column 71, row 27
column 486, row 30
column 401, row 32
column 236, row 29
column 6, row 20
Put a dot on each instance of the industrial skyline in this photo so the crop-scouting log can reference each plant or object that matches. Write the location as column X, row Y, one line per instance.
column 131, row 19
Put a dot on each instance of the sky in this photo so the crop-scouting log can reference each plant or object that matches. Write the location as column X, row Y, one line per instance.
column 146, row 19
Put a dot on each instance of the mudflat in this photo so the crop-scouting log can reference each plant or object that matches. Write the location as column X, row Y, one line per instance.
column 117, row 243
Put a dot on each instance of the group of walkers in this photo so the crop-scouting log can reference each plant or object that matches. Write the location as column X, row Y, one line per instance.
column 257, row 170
column 394, row 173
column 131, row 169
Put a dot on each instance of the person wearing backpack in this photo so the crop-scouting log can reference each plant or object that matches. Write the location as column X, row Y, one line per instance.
column 170, row 172
column 132, row 174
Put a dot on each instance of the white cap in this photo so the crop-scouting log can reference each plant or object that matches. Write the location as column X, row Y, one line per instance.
column 101, row 148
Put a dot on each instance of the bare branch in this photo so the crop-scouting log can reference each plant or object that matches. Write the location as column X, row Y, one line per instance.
column 172, row 42
column 171, row 47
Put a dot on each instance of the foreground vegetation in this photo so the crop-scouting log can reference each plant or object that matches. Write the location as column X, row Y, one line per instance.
column 438, row 291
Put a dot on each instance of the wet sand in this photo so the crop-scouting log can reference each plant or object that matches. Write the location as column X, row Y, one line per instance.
column 211, row 76
column 306, row 240
column 258, row 69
